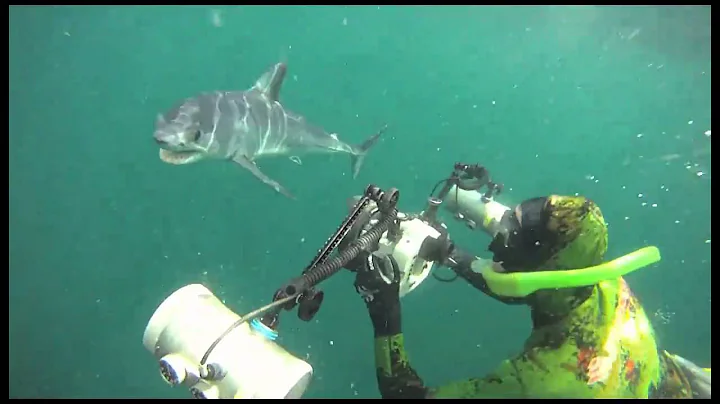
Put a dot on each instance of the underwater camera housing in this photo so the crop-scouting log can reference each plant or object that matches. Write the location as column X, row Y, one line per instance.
column 411, row 243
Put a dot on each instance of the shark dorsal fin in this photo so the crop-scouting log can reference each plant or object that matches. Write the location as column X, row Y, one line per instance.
column 271, row 81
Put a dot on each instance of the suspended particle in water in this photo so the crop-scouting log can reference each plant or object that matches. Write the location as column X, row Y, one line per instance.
column 664, row 316
column 296, row 160
column 216, row 18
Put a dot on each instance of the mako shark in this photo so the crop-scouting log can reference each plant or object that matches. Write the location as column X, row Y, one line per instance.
column 242, row 126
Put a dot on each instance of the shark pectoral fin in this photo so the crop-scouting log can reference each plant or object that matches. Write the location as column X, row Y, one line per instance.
column 271, row 81
column 253, row 168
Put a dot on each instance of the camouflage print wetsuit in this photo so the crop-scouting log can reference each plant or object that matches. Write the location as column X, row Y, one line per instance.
column 604, row 348
column 590, row 342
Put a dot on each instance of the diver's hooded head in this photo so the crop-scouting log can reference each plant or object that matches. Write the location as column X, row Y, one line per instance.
column 552, row 233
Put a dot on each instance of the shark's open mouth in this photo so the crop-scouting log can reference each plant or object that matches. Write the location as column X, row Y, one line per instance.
column 177, row 158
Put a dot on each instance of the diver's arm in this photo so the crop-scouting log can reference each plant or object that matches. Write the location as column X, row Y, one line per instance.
column 461, row 261
column 504, row 382
column 396, row 378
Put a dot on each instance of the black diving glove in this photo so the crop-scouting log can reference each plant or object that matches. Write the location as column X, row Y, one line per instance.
column 461, row 262
column 378, row 283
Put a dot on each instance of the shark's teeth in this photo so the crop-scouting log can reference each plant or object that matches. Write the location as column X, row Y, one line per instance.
column 178, row 158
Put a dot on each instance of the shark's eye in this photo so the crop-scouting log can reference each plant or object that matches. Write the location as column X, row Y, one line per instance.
column 196, row 136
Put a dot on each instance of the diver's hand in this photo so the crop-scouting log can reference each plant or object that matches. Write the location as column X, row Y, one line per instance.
column 378, row 283
column 459, row 260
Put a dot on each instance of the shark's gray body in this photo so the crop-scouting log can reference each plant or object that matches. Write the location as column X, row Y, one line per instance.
column 244, row 125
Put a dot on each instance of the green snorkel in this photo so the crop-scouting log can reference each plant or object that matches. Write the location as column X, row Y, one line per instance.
column 521, row 284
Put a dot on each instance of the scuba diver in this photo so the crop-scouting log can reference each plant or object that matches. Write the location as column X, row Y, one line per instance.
column 590, row 336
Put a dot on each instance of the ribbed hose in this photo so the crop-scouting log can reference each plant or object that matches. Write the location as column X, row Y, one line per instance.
column 328, row 268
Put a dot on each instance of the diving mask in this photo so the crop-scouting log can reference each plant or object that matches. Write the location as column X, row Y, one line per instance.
column 521, row 284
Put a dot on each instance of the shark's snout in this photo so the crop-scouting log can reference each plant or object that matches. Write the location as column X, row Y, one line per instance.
column 165, row 139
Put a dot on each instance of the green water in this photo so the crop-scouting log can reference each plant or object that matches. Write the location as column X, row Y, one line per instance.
column 606, row 102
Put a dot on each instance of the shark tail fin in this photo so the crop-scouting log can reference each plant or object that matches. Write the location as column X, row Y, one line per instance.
column 359, row 152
